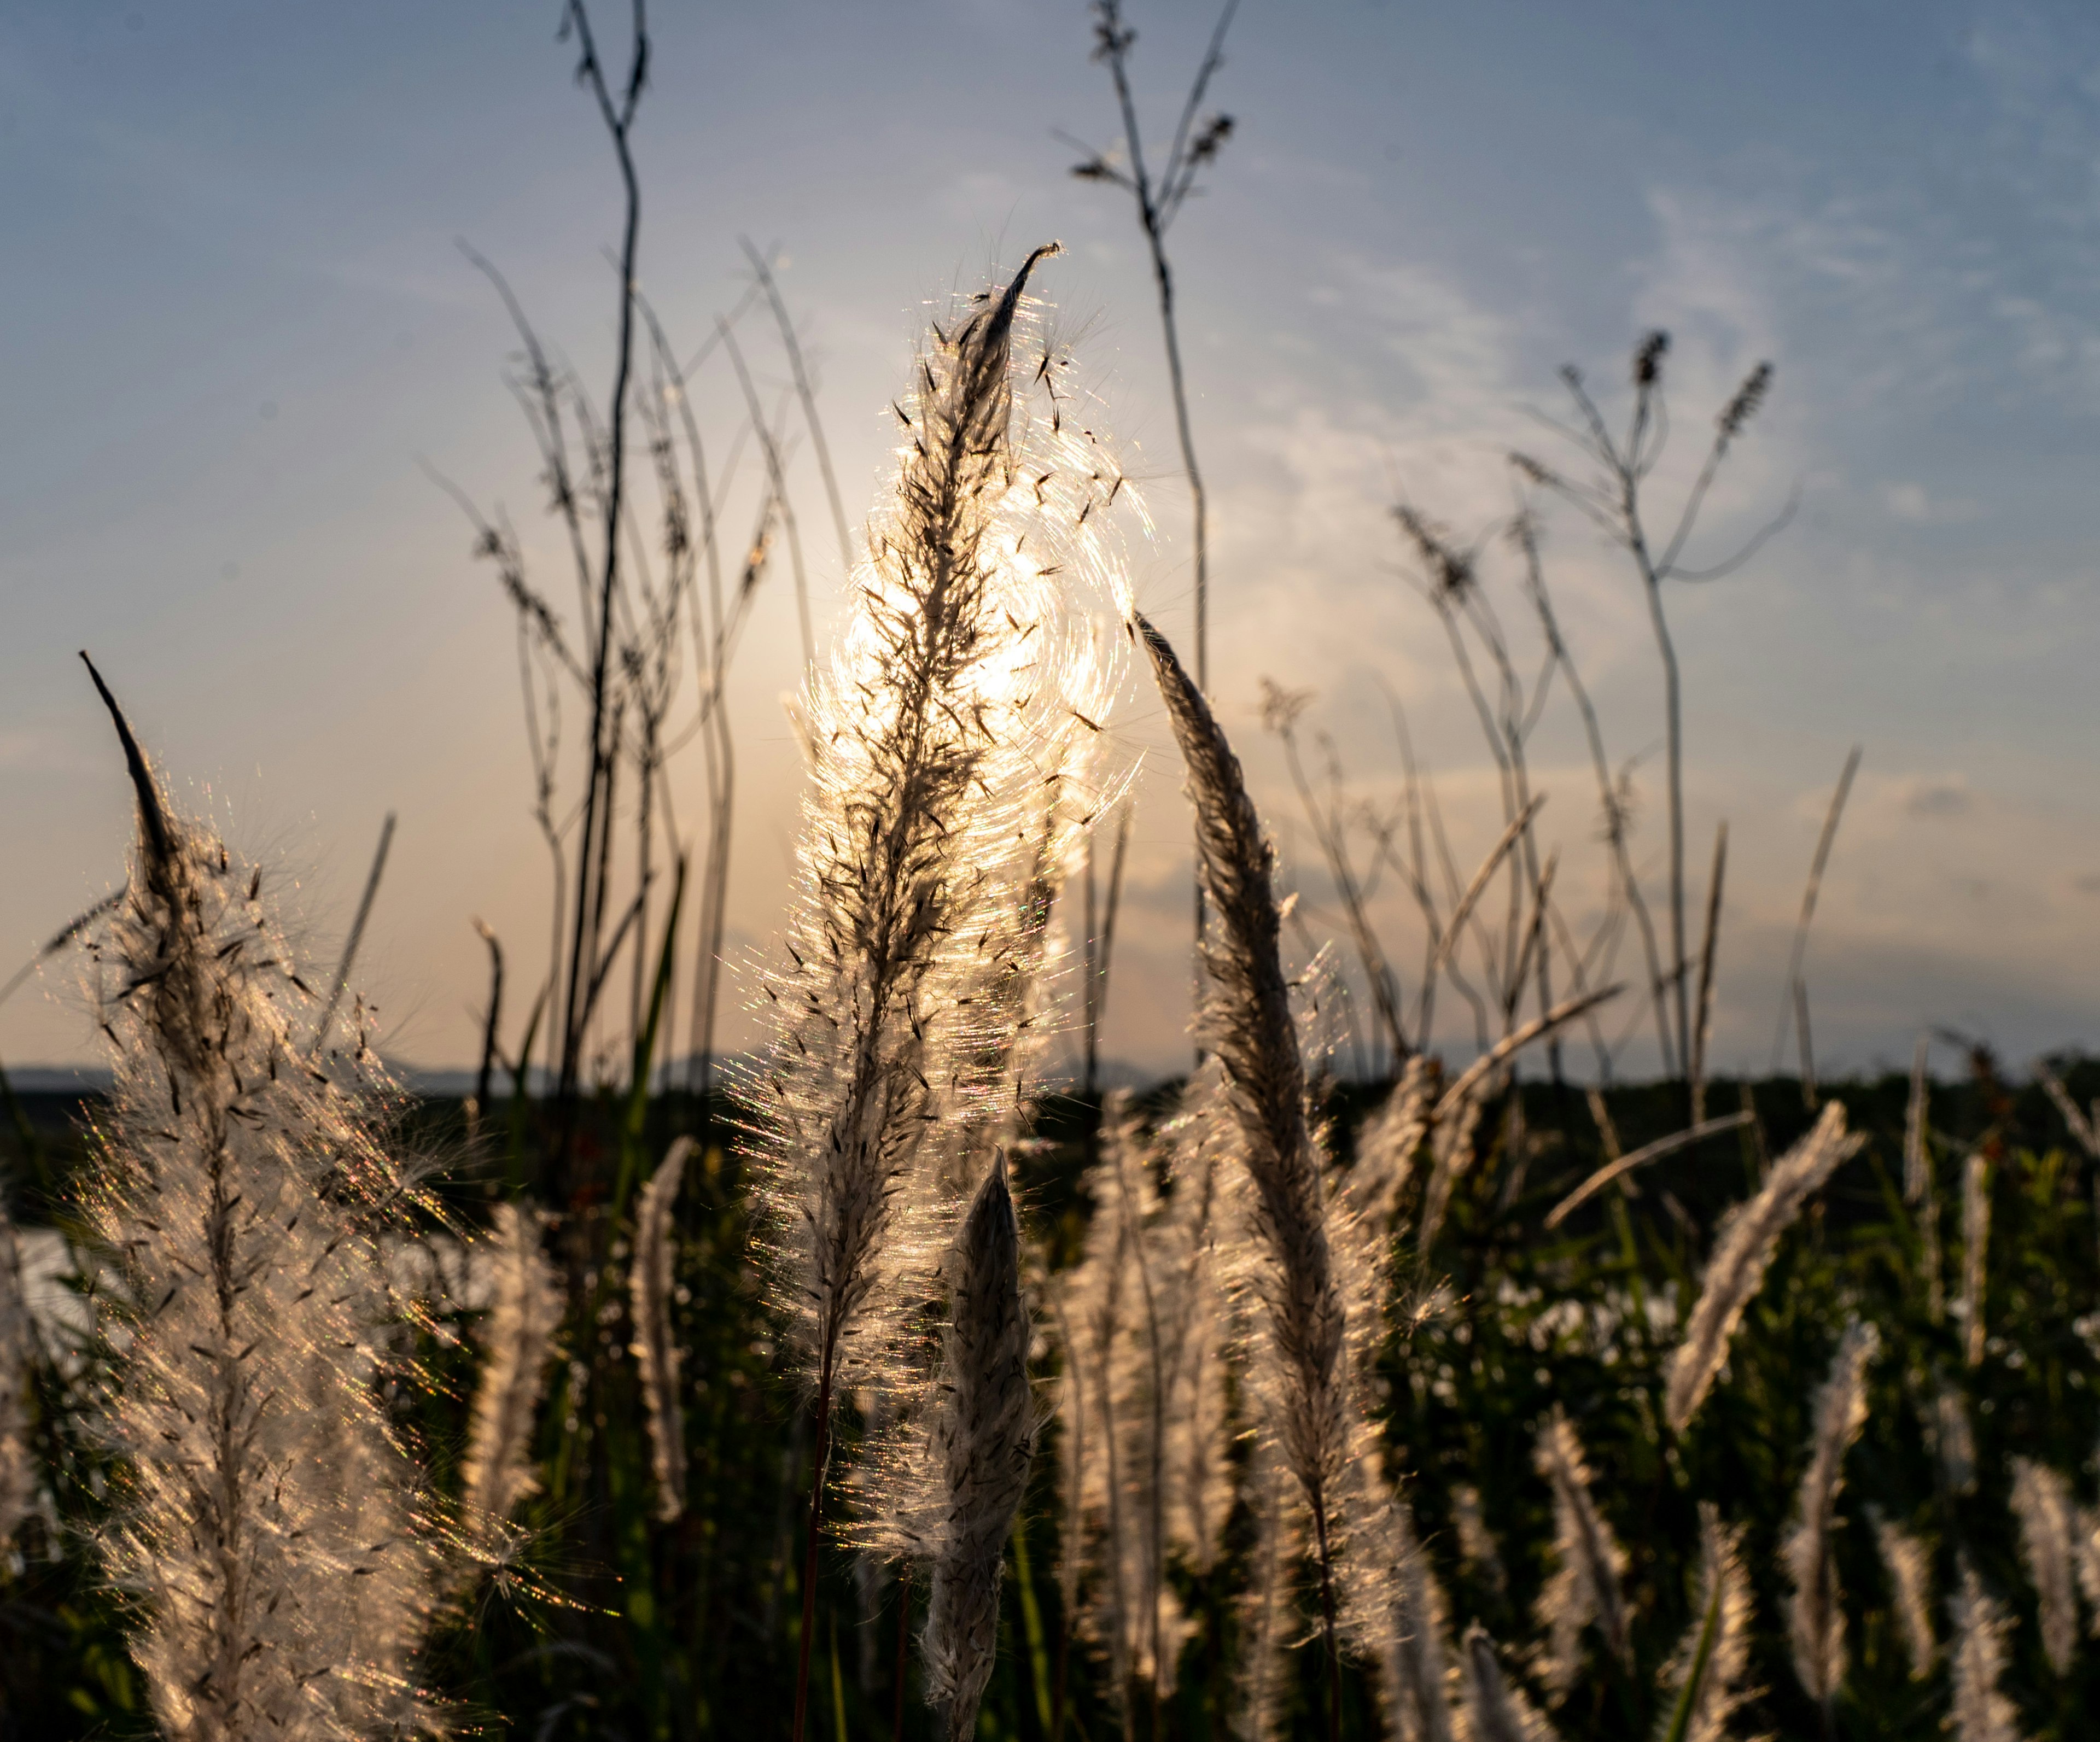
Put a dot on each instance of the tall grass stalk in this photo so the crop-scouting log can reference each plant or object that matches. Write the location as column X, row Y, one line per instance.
column 960, row 690
column 651, row 1282
column 1247, row 1021
column 1977, row 1649
column 1975, row 1253
column 1495, row 1709
column 1908, row 1568
column 1815, row 1613
column 1742, row 1249
column 266, row 1523
column 983, row 1437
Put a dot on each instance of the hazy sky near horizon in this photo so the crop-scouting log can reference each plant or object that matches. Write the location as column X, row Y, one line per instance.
column 238, row 325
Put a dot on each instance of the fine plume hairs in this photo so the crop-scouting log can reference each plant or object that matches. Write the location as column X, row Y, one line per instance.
column 651, row 1282
column 268, row 1527
column 967, row 1485
column 1815, row 1613
column 517, row 1341
column 1742, row 1249
column 966, row 684
column 950, row 740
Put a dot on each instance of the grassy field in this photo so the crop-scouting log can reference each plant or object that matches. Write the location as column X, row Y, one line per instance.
column 607, row 1622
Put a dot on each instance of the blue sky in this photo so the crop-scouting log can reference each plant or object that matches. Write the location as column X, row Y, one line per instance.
column 237, row 321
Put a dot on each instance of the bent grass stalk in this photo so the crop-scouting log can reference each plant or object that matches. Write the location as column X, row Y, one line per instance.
column 1248, row 1022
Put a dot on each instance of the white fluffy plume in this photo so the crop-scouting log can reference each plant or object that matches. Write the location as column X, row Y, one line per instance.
column 1742, row 1249
column 1981, row 1711
column 517, row 1342
column 1588, row 1562
column 2049, row 1545
column 1493, row 1710
column 651, row 1283
column 1908, row 1569
column 961, row 686
column 1815, row 1613
column 265, row 1516
column 1706, row 1676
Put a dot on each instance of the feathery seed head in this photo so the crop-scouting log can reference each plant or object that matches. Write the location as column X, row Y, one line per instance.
column 1909, row 1572
column 651, row 1281
column 1647, row 359
column 517, row 1341
column 2049, row 1545
column 266, row 1521
column 965, row 694
column 1815, row 1615
column 1742, row 1249
column 1706, row 1676
column 1740, row 409
column 1981, row 1711
column 1585, row 1586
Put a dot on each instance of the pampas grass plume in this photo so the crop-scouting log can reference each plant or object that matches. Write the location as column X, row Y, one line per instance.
column 650, row 1284
column 1815, row 1617
column 1494, row 1710
column 2049, row 1545
column 517, row 1341
column 1248, row 1020
column 983, row 1439
column 1706, row 1676
column 1908, row 1568
column 1981, row 1711
column 1413, row 1639
column 1975, row 1251
column 1589, row 1563
column 265, row 1521
column 1742, row 1249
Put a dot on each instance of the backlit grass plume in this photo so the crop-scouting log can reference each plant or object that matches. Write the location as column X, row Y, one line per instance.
column 1302, row 1320
column 649, row 1285
column 1704, row 1679
column 2048, row 1547
column 1975, row 1252
column 977, row 1464
column 265, row 1522
column 1977, row 1651
column 1266, row 1611
column 1412, row 1635
column 1815, row 1615
column 1145, row 1413
column 1742, row 1249
column 517, row 1341
column 1495, row 1710
column 959, row 687
column 1584, row 1588
column 1907, row 1567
